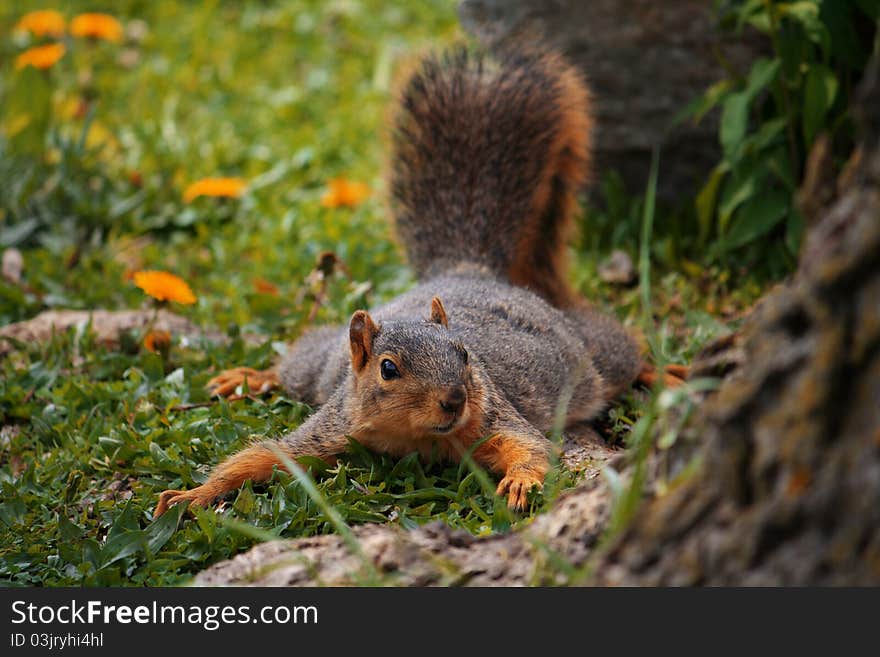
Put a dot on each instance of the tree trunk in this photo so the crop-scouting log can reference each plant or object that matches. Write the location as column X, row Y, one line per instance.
column 645, row 60
column 788, row 490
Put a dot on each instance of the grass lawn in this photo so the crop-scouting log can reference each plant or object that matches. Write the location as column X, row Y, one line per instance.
column 97, row 153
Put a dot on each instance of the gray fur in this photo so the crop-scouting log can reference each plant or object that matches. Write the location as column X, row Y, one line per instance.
column 531, row 351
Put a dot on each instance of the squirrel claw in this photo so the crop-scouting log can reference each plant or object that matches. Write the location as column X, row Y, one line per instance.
column 168, row 498
column 259, row 381
column 517, row 487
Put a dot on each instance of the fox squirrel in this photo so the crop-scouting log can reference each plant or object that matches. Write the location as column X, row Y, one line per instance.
column 487, row 158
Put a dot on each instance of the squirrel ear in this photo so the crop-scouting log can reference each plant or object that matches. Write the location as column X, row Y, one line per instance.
column 361, row 332
column 438, row 313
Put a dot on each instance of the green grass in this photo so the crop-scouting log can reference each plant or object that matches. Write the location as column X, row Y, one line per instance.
column 286, row 95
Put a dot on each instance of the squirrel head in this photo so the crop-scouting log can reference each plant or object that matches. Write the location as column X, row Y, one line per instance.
column 412, row 379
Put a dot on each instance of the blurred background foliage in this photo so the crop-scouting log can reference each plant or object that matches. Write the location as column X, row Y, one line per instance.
column 97, row 150
column 746, row 217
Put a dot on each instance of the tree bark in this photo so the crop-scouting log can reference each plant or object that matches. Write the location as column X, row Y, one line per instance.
column 645, row 61
column 788, row 487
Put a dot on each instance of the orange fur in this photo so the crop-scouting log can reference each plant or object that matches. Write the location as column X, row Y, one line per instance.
column 523, row 468
column 540, row 263
column 255, row 463
column 259, row 381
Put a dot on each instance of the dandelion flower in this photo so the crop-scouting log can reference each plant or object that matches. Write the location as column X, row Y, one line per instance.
column 344, row 192
column 266, row 287
column 46, row 22
column 97, row 26
column 41, row 56
column 164, row 286
column 157, row 341
column 230, row 187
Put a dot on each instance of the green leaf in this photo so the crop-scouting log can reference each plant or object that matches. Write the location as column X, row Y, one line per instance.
column 735, row 110
column 705, row 201
column 820, row 90
column 160, row 457
column 121, row 546
column 163, row 528
column 807, row 15
column 757, row 217
column 734, row 121
column 698, row 108
column 767, row 134
column 734, row 193
column 762, row 73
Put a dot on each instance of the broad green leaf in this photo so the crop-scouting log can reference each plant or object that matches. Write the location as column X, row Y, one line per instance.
column 121, row 546
column 820, row 90
column 698, row 108
column 762, row 73
column 734, row 121
column 806, row 13
column 163, row 528
column 160, row 456
column 767, row 133
column 735, row 112
column 757, row 217
column 735, row 192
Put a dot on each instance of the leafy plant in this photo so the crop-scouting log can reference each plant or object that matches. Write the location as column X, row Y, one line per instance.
column 772, row 115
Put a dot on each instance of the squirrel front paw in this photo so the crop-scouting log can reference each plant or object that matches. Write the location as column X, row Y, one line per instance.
column 198, row 496
column 517, row 485
column 259, row 381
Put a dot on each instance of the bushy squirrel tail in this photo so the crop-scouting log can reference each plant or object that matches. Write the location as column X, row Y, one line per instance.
column 488, row 155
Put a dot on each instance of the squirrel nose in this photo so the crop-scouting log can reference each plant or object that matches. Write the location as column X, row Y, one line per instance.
column 454, row 399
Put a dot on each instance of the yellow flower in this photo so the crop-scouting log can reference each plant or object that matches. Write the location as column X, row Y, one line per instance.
column 344, row 192
column 157, row 341
column 164, row 286
column 41, row 56
column 46, row 22
column 97, row 26
column 231, row 187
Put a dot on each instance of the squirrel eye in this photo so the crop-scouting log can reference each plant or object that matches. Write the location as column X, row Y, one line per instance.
column 388, row 370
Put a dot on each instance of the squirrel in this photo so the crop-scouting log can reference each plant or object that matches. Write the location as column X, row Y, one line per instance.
column 488, row 155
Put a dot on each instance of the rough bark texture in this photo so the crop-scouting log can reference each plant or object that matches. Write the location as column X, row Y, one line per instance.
column 645, row 60
column 788, row 491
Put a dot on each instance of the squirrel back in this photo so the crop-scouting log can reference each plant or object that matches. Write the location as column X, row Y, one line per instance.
column 487, row 158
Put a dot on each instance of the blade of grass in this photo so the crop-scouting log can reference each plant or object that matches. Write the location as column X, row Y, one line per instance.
column 332, row 514
column 645, row 246
column 502, row 515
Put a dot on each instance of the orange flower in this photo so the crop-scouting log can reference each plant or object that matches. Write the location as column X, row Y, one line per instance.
column 41, row 56
column 230, row 187
column 157, row 341
column 46, row 22
column 344, row 192
column 164, row 286
column 97, row 26
column 266, row 287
